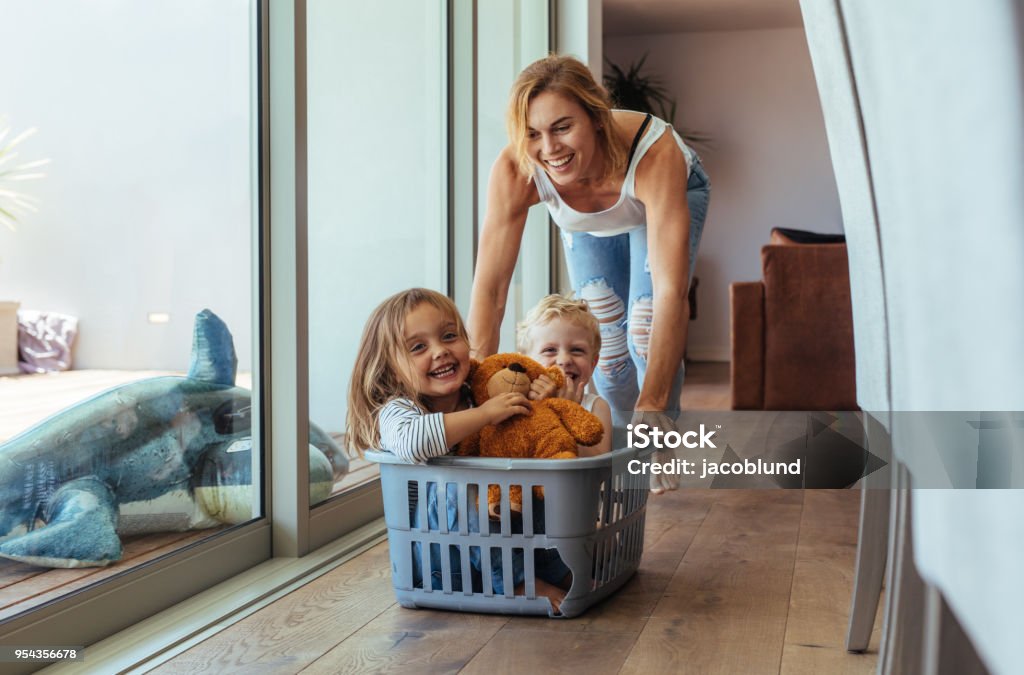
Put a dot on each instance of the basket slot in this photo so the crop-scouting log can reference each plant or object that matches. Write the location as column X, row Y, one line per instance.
column 463, row 508
column 481, row 505
column 618, row 496
column 599, row 564
column 421, row 506
column 606, row 504
column 412, row 494
column 443, row 499
column 506, row 512
column 627, row 496
column 467, row 570
column 406, row 577
column 428, row 567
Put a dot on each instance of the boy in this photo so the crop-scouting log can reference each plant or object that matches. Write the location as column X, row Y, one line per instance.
column 561, row 331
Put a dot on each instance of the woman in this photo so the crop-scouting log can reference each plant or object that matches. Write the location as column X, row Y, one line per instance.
column 630, row 199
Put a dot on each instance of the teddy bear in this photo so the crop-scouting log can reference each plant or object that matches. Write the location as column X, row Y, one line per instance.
column 552, row 430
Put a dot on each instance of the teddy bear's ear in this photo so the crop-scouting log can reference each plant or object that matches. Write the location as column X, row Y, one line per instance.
column 473, row 365
column 555, row 373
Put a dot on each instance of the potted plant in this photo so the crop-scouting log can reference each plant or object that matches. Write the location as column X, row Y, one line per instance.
column 632, row 90
column 13, row 202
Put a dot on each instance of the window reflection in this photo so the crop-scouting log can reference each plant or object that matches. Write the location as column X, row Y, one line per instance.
column 377, row 180
column 127, row 450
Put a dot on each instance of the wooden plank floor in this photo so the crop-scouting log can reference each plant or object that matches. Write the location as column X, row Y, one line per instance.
column 732, row 582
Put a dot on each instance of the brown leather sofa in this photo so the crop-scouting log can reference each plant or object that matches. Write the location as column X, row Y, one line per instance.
column 792, row 333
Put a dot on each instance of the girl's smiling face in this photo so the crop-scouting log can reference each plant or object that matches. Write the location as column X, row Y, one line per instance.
column 565, row 344
column 438, row 356
column 562, row 139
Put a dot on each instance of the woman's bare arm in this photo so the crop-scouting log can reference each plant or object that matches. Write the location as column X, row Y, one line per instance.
column 509, row 197
column 661, row 186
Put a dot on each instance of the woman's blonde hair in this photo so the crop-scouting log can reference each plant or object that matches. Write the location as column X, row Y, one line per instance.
column 557, row 306
column 381, row 372
column 567, row 76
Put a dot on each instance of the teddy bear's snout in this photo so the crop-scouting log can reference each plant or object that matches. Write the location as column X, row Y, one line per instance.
column 516, row 368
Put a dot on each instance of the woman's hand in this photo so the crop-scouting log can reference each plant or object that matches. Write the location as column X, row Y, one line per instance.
column 660, row 420
column 499, row 408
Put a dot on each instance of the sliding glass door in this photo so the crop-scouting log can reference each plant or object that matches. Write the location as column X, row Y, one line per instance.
column 130, row 438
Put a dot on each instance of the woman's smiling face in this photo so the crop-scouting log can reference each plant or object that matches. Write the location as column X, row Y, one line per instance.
column 561, row 138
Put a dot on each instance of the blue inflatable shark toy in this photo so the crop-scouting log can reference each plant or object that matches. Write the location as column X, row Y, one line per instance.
column 157, row 455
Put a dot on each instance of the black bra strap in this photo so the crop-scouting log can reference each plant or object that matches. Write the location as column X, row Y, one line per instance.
column 636, row 139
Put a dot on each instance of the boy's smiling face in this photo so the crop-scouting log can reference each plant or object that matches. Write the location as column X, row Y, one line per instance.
column 565, row 344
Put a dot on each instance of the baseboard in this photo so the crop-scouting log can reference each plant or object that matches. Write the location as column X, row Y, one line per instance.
column 708, row 353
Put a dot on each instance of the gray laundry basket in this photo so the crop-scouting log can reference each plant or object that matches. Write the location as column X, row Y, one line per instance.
column 593, row 516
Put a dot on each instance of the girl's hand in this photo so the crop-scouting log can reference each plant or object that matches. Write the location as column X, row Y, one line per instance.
column 543, row 387
column 501, row 407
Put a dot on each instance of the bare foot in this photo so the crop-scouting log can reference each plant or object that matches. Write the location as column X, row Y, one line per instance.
column 554, row 594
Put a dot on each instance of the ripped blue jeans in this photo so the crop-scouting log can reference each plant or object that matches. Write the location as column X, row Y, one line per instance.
column 612, row 275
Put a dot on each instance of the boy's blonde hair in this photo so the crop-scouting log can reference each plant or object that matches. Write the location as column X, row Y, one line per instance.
column 382, row 372
column 557, row 306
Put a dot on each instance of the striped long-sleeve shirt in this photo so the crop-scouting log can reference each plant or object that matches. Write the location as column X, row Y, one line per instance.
column 411, row 433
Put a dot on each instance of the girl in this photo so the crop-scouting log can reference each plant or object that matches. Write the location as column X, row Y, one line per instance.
column 408, row 396
column 407, row 392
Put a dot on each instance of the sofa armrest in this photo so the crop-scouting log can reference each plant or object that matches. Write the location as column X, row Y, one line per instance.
column 746, row 335
column 808, row 347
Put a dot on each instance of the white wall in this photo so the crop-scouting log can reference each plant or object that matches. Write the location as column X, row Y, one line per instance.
column 376, row 175
column 144, row 110
column 753, row 92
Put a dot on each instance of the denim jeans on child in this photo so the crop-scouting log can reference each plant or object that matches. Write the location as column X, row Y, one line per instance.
column 612, row 275
column 547, row 564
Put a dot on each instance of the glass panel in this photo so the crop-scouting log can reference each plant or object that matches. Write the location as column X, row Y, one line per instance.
column 377, row 188
column 133, row 277
column 517, row 35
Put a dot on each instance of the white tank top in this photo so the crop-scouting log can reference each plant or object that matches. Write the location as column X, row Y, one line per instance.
column 626, row 214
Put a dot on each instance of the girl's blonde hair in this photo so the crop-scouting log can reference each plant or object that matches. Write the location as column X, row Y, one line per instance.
column 381, row 372
column 567, row 76
column 557, row 306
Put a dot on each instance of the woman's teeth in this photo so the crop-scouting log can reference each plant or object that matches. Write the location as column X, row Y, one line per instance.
column 447, row 371
column 559, row 163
